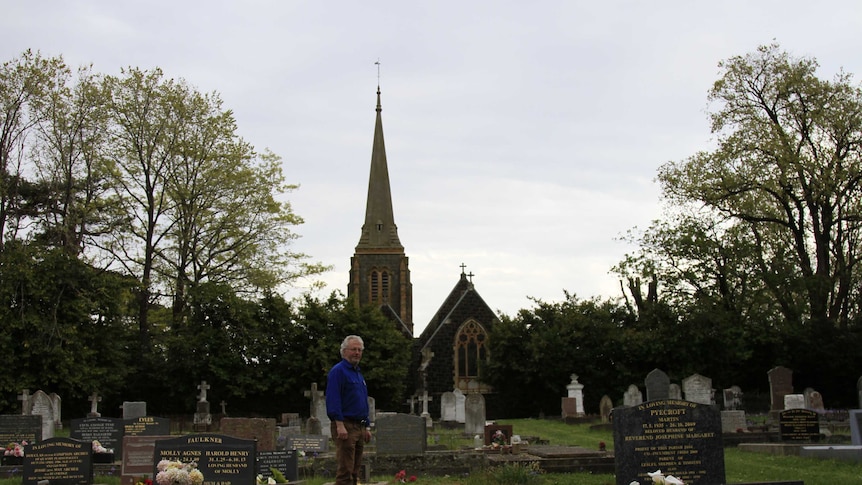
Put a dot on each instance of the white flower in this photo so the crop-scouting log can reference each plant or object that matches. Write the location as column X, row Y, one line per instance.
column 672, row 480
column 635, row 482
column 657, row 477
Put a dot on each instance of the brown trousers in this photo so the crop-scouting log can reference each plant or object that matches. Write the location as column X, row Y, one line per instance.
column 348, row 453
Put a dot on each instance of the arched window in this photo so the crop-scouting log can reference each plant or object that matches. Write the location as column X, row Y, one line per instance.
column 379, row 286
column 470, row 349
column 374, row 295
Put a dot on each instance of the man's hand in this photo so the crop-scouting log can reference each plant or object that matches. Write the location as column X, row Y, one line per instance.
column 367, row 435
column 341, row 430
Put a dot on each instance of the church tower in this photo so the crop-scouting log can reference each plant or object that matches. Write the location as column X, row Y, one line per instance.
column 379, row 274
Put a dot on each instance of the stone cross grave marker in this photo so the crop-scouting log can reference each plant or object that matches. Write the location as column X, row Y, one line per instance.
column 25, row 401
column 94, row 405
column 318, row 408
column 429, row 423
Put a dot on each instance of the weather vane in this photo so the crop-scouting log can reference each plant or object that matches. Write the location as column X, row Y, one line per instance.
column 378, row 70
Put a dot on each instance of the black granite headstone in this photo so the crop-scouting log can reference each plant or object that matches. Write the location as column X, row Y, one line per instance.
column 15, row 428
column 680, row 438
column 60, row 461
column 222, row 459
column 799, row 425
column 147, row 426
column 107, row 431
column 284, row 461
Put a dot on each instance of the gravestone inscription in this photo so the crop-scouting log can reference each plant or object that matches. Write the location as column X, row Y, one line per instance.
column 221, row 459
column 147, row 426
column 15, row 428
column 680, row 438
column 308, row 443
column 107, row 431
column 799, row 425
column 284, row 461
column 59, row 461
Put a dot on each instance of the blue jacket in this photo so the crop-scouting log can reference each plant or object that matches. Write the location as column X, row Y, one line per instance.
column 346, row 393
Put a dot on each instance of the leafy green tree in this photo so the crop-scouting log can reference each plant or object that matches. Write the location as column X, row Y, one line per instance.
column 786, row 170
column 24, row 84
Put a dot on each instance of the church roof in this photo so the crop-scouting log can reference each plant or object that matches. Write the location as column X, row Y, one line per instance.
column 463, row 301
column 379, row 230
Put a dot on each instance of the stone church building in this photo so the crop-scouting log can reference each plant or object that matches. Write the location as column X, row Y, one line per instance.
column 446, row 355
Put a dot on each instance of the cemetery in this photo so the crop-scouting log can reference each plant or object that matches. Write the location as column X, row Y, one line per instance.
column 679, row 431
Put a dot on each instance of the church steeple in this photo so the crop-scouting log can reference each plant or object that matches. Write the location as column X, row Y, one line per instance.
column 379, row 230
column 379, row 272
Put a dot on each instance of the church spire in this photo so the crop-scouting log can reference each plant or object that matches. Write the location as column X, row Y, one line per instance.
column 379, row 230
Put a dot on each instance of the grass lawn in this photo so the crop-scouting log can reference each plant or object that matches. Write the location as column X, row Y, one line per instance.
column 740, row 466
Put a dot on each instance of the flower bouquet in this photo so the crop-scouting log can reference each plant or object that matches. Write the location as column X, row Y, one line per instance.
column 14, row 454
column 178, row 473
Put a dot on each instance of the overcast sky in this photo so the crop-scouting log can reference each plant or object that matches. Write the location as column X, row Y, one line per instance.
column 523, row 137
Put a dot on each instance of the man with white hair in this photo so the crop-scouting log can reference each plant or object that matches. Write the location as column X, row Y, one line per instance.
column 347, row 408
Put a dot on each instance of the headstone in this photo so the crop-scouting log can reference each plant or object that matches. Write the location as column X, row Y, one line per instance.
column 401, row 434
column 222, row 459
column 798, row 424
column 15, row 428
column 575, row 390
column 447, row 407
column 859, row 390
column 794, row 401
column 657, row 385
column 318, row 408
column 59, row 461
column 147, row 426
column 308, row 443
column 733, row 398
column 26, row 404
column 780, row 385
column 202, row 418
column 284, row 461
column 633, row 396
column 733, row 421
column 491, row 430
column 57, row 408
column 429, row 423
column 94, row 405
column 260, row 429
column 605, row 408
column 474, row 414
column 855, row 427
column 814, row 401
column 137, row 457
column 107, row 431
column 674, row 391
column 698, row 388
column 372, row 409
column 569, row 407
column 680, row 438
column 134, row 409
column 460, row 406
column 42, row 405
